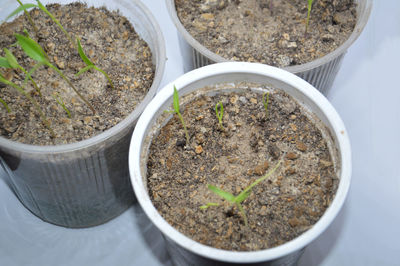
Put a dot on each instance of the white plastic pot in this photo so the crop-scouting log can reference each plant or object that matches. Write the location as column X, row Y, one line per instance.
column 320, row 72
column 85, row 183
column 185, row 251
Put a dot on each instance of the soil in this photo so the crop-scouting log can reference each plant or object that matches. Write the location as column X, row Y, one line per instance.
column 281, row 207
column 109, row 40
column 272, row 32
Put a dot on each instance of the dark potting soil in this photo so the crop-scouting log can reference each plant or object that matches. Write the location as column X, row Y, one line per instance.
column 286, row 204
column 109, row 40
column 268, row 31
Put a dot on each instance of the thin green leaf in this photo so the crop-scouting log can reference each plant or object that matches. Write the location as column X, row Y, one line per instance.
column 220, row 113
column 30, row 72
column 176, row 100
column 226, row 195
column 4, row 62
column 308, row 13
column 82, row 53
column 32, row 48
column 83, row 70
column 242, row 196
column 5, row 105
column 265, row 103
column 11, row 59
column 20, row 9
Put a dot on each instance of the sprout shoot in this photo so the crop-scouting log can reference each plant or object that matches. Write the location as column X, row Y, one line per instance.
column 25, row 7
column 308, row 13
column 61, row 103
column 90, row 64
column 36, row 52
column 220, row 112
column 5, row 105
column 237, row 200
column 11, row 62
column 265, row 103
column 177, row 111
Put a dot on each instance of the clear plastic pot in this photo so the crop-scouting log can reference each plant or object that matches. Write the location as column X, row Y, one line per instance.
column 85, row 183
column 320, row 72
column 185, row 251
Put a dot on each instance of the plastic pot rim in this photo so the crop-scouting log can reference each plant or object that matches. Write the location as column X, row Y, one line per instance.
column 362, row 20
column 131, row 118
column 215, row 70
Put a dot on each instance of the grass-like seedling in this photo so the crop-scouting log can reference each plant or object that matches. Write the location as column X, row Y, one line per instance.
column 219, row 112
column 61, row 103
column 237, row 200
column 36, row 52
column 265, row 101
column 309, row 5
column 89, row 64
column 177, row 111
column 32, row 100
column 11, row 62
column 25, row 7
column 5, row 105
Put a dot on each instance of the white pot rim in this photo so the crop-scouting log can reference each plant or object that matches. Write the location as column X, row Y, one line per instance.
column 241, row 256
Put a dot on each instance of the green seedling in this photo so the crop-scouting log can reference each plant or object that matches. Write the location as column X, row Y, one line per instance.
column 242, row 196
column 36, row 52
column 11, row 62
column 219, row 111
column 5, row 105
column 25, row 7
column 265, row 101
column 308, row 13
column 177, row 111
column 61, row 103
column 90, row 64
column 32, row 100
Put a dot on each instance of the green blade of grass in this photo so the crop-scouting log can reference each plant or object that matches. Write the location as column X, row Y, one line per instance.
column 32, row 48
column 4, row 62
column 82, row 53
column 5, row 105
column 224, row 194
column 21, row 8
column 176, row 100
column 11, row 59
column 243, row 213
column 203, row 207
column 83, row 70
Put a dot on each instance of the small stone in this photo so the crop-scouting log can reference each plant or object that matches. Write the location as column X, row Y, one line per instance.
column 274, row 151
column 291, row 156
column 253, row 100
column 207, row 16
column 286, row 36
column 328, row 38
column 325, row 164
column 292, row 45
column 234, row 99
column 301, row 146
column 293, row 127
column 199, row 149
column 261, row 168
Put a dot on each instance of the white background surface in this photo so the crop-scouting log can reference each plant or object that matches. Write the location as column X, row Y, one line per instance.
column 366, row 94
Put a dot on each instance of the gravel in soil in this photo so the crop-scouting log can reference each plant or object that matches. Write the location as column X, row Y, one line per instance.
column 268, row 31
column 280, row 208
column 109, row 40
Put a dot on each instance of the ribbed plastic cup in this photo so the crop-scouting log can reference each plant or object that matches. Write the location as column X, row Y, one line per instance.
column 85, row 183
column 320, row 72
column 185, row 251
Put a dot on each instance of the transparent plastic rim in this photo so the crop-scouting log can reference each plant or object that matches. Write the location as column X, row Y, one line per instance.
column 215, row 70
column 131, row 118
column 362, row 19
